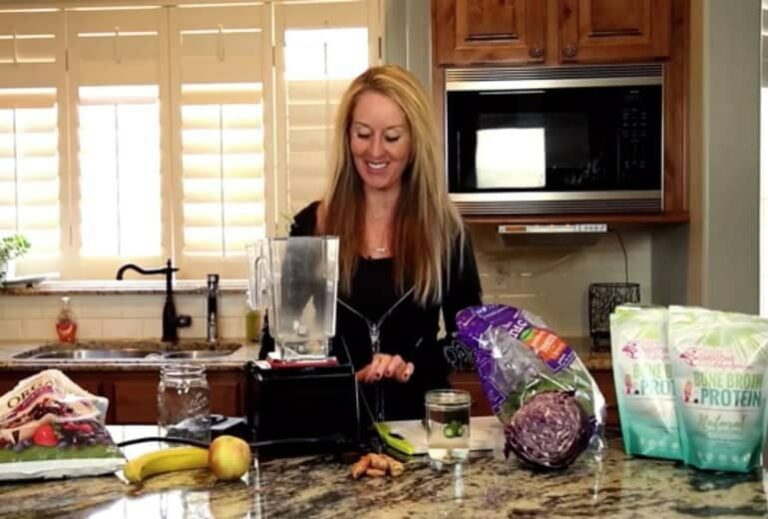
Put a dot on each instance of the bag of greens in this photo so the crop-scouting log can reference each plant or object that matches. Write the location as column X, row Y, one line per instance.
column 643, row 378
column 537, row 386
column 50, row 427
column 719, row 362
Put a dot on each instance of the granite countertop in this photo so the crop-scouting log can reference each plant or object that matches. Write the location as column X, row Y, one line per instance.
column 487, row 486
column 241, row 354
column 236, row 360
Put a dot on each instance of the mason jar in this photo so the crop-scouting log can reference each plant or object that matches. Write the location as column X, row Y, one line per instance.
column 447, row 421
column 183, row 402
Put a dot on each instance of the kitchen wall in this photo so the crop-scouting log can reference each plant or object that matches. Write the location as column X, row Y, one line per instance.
column 33, row 317
column 549, row 278
column 714, row 261
column 408, row 38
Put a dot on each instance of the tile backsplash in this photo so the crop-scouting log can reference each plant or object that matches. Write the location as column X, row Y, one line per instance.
column 33, row 317
column 550, row 275
column 550, row 279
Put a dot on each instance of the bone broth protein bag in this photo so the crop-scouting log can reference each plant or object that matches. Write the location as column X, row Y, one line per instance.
column 643, row 378
column 50, row 427
column 719, row 362
column 550, row 406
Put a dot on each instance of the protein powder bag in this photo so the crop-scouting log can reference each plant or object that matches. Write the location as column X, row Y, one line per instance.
column 643, row 378
column 719, row 362
column 537, row 386
column 50, row 427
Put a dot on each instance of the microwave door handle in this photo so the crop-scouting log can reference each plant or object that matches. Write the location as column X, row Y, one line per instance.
column 508, row 92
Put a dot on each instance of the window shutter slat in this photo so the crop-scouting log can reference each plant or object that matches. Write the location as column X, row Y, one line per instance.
column 117, row 69
column 321, row 15
column 326, row 46
column 27, row 41
column 31, row 65
column 222, row 139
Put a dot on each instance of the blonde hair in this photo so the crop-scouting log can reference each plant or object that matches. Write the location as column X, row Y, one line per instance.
column 426, row 224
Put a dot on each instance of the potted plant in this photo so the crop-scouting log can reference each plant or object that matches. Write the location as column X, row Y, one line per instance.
column 11, row 247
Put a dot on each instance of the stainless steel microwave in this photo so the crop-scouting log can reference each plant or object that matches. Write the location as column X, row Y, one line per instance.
column 555, row 140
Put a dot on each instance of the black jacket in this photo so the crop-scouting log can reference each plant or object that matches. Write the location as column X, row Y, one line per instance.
column 409, row 330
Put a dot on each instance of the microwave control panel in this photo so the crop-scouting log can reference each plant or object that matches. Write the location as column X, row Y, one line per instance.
column 633, row 141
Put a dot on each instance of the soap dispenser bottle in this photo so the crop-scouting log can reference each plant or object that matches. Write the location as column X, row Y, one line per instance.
column 66, row 327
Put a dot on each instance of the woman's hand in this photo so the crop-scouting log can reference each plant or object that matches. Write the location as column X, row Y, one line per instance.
column 386, row 366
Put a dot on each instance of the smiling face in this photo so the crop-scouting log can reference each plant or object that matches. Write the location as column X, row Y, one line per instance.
column 380, row 141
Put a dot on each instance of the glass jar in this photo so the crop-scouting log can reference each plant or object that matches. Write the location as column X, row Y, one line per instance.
column 447, row 424
column 183, row 408
column 252, row 325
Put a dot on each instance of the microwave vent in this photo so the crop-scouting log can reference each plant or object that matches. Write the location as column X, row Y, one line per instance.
column 540, row 207
column 650, row 70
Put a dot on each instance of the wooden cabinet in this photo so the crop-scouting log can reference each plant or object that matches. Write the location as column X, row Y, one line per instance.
column 593, row 31
column 604, row 380
column 479, row 31
column 134, row 397
column 469, row 32
column 133, row 394
column 468, row 381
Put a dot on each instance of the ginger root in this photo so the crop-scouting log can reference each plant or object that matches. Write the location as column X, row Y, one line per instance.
column 395, row 467
column 378, row 461
column 377, row 465
column 359, row 468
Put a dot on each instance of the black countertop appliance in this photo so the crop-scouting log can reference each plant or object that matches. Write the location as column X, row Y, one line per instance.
column 303, row 407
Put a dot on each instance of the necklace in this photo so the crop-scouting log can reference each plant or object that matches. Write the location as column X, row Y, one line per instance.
column 379, row 249
column 378, row 240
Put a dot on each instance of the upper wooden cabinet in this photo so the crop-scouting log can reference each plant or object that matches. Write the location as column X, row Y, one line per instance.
column 614, row 30
column 470, row 32
column 483, row 31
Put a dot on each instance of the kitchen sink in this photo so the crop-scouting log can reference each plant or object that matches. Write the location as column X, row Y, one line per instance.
column 196, row 354
column 91, row 354
column 130, row 350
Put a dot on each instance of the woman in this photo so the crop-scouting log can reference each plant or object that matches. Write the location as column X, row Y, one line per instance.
column 404, row 253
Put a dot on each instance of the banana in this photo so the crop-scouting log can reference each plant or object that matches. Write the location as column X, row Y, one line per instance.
column 165, row 460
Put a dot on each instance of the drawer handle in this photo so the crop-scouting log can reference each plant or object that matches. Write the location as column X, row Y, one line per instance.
column 569, row 51
column 536, row 52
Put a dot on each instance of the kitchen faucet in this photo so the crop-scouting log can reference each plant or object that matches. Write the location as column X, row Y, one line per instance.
column 211, row 323
column 171, row 321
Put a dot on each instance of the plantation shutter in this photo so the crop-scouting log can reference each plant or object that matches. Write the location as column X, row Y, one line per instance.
column 219, row 79
column 31, row 81
column 323, row 47
column 118, row 66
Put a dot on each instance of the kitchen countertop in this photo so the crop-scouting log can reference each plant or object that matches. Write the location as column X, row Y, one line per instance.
column 237, row 360
column 486, row 486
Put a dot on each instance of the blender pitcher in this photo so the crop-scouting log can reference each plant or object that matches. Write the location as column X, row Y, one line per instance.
column 297, row 279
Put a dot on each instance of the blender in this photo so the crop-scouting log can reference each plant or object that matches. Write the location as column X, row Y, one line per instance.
column 296, row 279
column 300, row 400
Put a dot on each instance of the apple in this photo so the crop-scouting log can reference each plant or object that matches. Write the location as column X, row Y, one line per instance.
column 229, row 457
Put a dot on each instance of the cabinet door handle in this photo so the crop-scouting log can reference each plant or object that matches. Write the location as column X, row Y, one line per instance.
column 569, row 51
column 536, row 51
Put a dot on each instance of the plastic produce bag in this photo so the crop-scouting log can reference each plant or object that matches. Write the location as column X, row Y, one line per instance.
column 643, row 378
column 50, row 427
column 537, row 386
